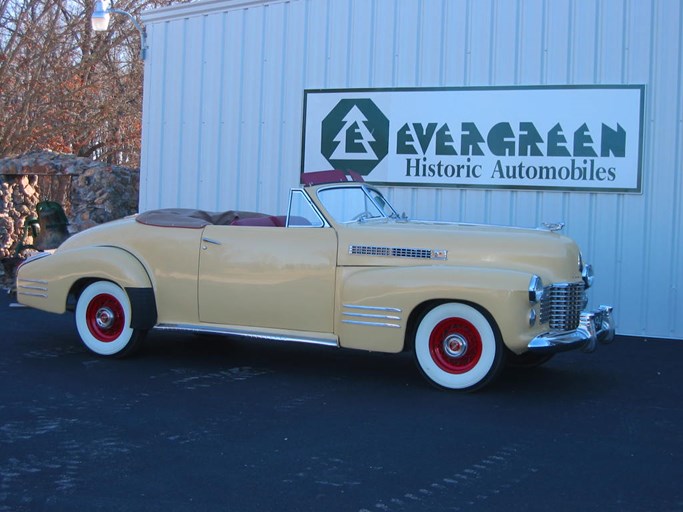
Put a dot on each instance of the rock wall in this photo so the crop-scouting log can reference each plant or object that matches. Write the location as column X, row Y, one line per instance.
column 91, row 192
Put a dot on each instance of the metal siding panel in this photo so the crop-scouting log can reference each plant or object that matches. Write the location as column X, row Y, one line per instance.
column 211, row 78
column 269, row 196
column 455, row 43
column 249, row 94
column 675, row 324
column 659, row 239
column 231, row 85
column 407, row 44
column 530, row 50
column 480, row 43
column 190, row 129
column 558, row 34
column 583, row 42
column 151, row 117
column 169, row 186
column 611, row 41
column 338, row 43
column 358, row 58
column 430, row 61
column 382, row 44
column 291, row 99
column 317, row 28
column 505, row 44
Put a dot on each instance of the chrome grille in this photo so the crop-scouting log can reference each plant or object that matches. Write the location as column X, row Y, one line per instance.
column 368, row 250
column 561, row 306
column 411, row 253
column 397, row 252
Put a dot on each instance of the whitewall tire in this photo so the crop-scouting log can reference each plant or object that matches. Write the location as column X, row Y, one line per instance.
column 103, row 315
column 456, row 347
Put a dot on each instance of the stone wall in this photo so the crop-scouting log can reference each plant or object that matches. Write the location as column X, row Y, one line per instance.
column 91, row 192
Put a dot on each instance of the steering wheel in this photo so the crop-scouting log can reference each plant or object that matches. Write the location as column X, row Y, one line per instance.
column 362, row 216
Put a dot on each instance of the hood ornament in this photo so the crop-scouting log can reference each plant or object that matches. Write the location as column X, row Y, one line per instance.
column 553, row 226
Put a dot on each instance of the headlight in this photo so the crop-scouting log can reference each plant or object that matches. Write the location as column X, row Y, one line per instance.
column 587, row 275
column 535, row 289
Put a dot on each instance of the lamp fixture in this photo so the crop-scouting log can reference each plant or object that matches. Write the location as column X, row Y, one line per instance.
column 100, row 22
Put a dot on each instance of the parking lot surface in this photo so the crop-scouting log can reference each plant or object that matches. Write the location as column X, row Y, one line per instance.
column 214, row 424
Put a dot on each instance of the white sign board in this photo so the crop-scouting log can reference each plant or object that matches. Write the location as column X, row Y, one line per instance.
column 570, row 137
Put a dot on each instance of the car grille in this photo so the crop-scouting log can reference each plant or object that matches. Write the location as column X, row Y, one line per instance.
column 561, row 306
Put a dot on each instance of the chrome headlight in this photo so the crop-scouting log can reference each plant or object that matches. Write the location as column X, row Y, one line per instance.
column 535, row 289
column 587, row 275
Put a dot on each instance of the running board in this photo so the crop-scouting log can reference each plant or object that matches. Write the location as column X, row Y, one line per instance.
column 328, row 340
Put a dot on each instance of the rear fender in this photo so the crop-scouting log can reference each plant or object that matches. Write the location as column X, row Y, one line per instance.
column 46, row 282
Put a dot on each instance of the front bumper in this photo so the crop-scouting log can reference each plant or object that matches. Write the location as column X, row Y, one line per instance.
column 595, row 326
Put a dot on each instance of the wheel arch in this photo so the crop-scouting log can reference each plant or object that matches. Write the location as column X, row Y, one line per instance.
column 122, row 268
column 142, row 300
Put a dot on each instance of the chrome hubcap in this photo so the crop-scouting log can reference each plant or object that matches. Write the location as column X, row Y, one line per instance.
column 455, row 345
column 104, row 318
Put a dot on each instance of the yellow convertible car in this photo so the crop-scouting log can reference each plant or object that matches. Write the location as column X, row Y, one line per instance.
column 342, row 268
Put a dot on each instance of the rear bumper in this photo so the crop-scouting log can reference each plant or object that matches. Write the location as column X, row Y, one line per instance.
column 595, row 326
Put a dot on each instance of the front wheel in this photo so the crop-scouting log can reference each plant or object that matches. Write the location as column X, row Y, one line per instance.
column 103, row 315
column 457, row 348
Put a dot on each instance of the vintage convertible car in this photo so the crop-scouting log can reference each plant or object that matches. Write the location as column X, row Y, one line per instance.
column 342, row 268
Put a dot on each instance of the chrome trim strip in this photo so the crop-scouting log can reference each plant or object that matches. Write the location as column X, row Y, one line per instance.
column 29, row 294
column 211, row 241
column 39, row 281
column 367, row 315
column 26, row 287
column 37, row 256
column 372, row 324
column 376, row 308
column 255, row 333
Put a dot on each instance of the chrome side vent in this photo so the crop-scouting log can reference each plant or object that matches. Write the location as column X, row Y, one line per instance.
column 399, row 252
column 561, row 306
column 375, row 316
column 32, row 288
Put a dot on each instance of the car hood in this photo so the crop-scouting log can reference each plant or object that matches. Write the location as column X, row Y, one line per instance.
column 397, row 243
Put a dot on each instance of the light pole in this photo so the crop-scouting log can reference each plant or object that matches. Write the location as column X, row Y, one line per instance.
column 100, row 22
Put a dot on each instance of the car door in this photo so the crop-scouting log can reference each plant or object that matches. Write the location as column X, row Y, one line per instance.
column 268, row 277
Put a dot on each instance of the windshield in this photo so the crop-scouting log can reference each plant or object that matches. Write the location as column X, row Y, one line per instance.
column 355, row 204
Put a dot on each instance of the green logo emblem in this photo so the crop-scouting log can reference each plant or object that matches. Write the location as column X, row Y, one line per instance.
column 355, row 136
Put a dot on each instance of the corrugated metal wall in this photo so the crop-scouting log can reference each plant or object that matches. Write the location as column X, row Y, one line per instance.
column 224, row 82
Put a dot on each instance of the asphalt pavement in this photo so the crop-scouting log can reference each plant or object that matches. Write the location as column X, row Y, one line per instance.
column 213, row 424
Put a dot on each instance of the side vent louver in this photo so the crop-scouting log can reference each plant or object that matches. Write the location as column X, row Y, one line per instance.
column 398, row 252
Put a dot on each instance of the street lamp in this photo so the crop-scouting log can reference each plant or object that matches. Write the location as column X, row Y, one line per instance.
column 100, row 21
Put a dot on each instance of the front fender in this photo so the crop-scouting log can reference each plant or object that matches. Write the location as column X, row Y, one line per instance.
column 376, row 303
column 45, row 282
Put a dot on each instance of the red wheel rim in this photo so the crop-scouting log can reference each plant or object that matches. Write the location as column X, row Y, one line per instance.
column 455, row 345
column 105, row 317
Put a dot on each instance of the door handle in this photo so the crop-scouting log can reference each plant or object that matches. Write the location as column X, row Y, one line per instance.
column 211, row 241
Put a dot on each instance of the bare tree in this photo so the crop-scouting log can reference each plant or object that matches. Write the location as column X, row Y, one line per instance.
column 67, row 88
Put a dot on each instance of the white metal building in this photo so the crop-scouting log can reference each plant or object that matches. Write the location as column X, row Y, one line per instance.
column 224, row 100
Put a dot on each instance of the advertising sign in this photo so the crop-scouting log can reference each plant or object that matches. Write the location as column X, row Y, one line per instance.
column 566, row 137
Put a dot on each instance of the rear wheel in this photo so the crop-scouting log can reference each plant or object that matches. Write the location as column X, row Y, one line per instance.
column 103, row 315
column 456, row 347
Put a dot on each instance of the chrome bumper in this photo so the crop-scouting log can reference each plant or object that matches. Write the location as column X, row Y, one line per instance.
column 595, row 326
